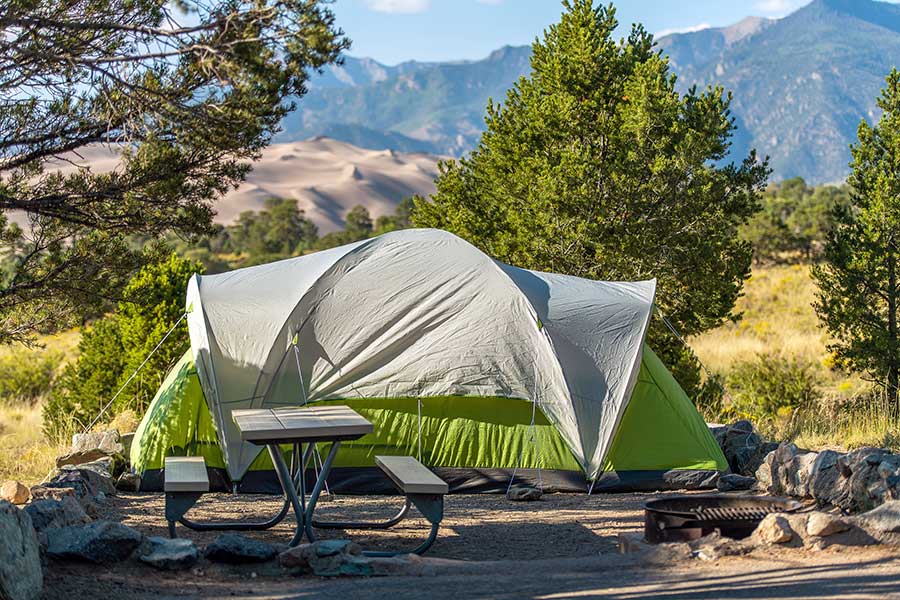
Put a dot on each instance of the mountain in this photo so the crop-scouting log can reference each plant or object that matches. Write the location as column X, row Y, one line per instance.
column 801, row 86
column 434, row 107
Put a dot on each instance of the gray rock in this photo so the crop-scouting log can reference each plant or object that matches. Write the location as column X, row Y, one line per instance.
column 824, row 477
column 524, row 494
column 48, row 513
column 332, row 558
column 883, row 519
column 88, row 485
column 102, row 466
column 21, row 577
column 98, row 542
column 731, row 482
column 232, row 548
column 765, row 474
column 128, row 482
column 88, row 447
column 170, row 554
column 126, row 439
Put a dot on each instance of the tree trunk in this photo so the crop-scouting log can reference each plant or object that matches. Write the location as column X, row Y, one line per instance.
column 893, row 371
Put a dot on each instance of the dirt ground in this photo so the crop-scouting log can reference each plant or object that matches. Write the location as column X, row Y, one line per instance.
column 563, row 546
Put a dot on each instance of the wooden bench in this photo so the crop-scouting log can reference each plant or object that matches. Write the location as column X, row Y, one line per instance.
column 422, row 488
column 411, row 476
column 184, row 481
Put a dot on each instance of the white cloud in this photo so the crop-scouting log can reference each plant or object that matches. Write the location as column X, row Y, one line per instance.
column 778, row 7
column 689, row 29
column 399, row 6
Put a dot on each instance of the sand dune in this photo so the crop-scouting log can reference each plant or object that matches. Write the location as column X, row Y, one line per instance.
column 325, row 176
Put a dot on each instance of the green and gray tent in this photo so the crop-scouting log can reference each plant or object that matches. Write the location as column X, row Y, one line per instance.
column 480, row 369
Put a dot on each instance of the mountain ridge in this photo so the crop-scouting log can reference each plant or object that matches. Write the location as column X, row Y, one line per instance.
column 801, row 85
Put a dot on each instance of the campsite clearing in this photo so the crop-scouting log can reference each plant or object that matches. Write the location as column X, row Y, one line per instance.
column 563, row 546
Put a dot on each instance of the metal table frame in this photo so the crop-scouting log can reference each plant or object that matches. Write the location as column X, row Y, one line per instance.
column 292, row 479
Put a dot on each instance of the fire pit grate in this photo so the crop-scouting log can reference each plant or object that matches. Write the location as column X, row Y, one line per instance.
column 684, row 518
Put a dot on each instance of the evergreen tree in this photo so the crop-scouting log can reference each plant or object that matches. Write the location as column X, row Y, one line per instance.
column 595, row 166
column 859, row 295
column 186, row 92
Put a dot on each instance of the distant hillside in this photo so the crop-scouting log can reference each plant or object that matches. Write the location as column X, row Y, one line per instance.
column 437, row 107
column 801, row 86
column 325, row 176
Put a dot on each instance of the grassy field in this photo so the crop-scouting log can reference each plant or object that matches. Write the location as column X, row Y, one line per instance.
column 778, row 318
column 24, row 453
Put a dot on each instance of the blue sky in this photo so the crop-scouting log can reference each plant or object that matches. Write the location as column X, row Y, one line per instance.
column 392, row 31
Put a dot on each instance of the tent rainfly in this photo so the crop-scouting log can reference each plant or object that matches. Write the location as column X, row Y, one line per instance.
column 482, row 370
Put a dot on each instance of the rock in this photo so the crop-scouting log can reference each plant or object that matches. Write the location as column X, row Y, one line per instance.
column 732, row 481
column 824, row 477
column 743, row 447
column 21, row 577
column 630, row 543
column 232, row 548
column 102, row 466
column 170, row 554
column 333, row 558
column 715, row 546
column 883, row 519
column 821, row 524
column 41, row 492
column 98, row 542
column 126, row 439
column 48, row 513
column 764, row 474
column 87, row 484
column 128, row 482
column 88, row 447
column 14, row 492
column 524, row 494
column 774, row 529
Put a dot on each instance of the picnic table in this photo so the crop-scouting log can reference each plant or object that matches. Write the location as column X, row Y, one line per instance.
column 298, row 427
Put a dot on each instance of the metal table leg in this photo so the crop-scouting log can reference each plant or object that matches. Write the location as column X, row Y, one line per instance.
column 317, row 489
column 290, row 491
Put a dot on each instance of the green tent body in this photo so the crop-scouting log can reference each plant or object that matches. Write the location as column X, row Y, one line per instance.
column 476, row 443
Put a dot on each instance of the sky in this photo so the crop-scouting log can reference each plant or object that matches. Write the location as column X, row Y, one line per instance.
column 393, row 31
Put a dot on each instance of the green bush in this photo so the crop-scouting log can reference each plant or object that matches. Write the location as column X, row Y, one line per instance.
column 772, row 386
column 116, row 345
column 26, row 377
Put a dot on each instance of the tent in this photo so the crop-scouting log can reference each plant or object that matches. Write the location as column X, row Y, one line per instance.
column 482, row 370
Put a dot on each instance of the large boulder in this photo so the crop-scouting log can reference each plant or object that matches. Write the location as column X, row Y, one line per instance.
column 48, row 513
column 883, row 521
column 98, row 542
column 238, row 549
column 21, row 577
column 169, row 554
column 88, row 447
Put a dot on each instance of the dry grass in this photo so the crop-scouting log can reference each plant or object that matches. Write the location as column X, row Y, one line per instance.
column 24, row 452
column 778, row 318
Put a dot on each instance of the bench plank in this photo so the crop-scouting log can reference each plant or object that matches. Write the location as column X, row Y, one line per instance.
column 186, row 474
column 411, row 476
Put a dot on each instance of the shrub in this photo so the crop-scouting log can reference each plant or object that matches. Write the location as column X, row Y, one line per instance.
column 772, row 387
column 27, row 377
column 117, row 344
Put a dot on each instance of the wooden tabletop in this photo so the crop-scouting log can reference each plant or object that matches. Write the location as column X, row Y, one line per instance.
column 307, row 424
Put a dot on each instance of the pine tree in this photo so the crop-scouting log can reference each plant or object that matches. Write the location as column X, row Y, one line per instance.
column 595, row 166
column 859, row 296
